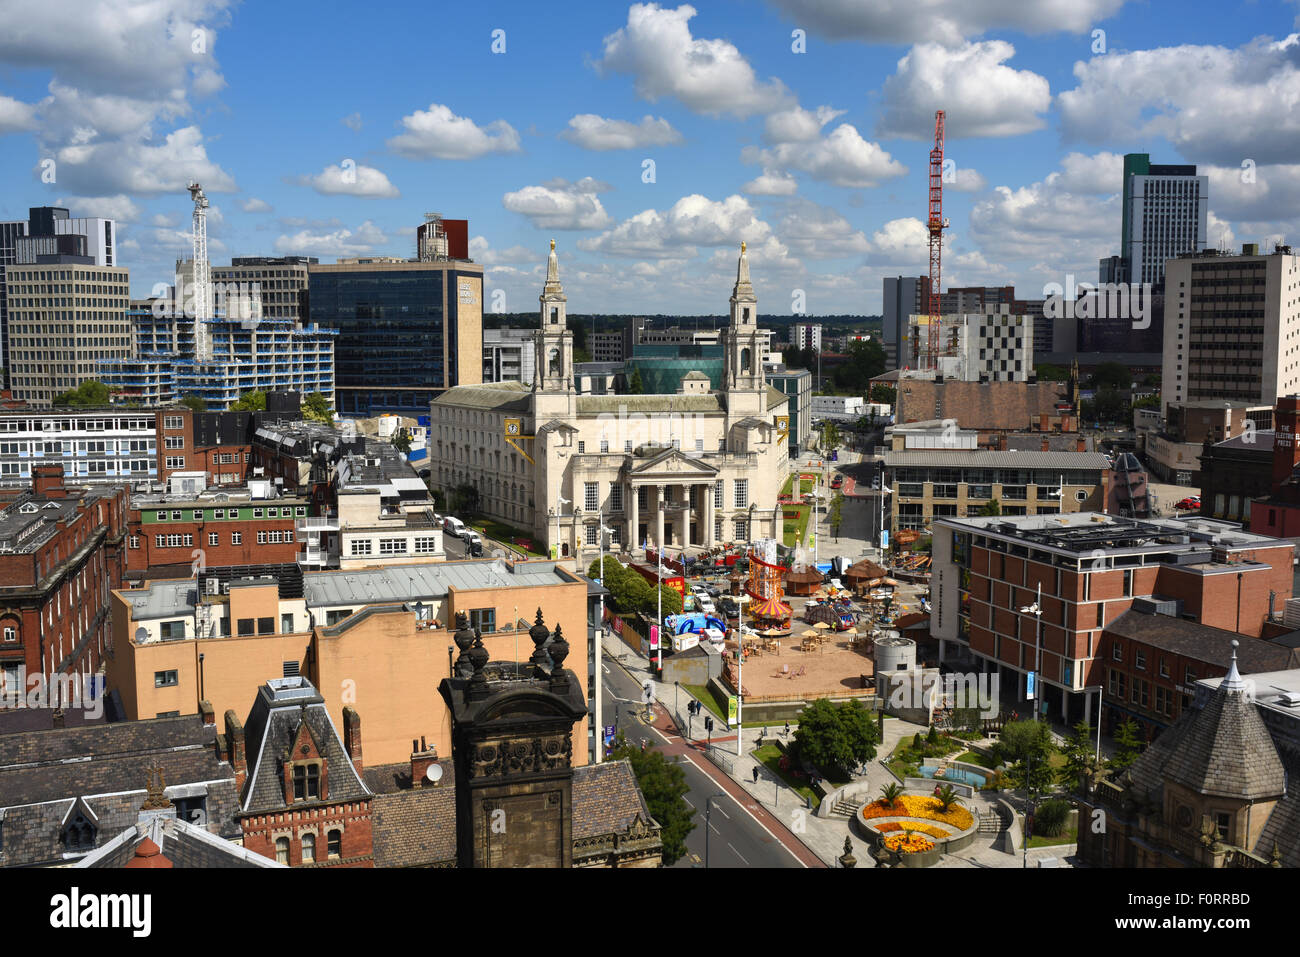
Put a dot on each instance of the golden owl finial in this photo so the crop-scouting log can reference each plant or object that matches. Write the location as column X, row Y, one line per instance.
column 742, row 245
column 552, row 245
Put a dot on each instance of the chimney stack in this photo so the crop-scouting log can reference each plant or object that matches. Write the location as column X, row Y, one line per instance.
column 352, row 736
column 207, row 713
column 47, row 481
column 422, row 758
column 1046, row 445
column 235, row 752
column 1081, row 445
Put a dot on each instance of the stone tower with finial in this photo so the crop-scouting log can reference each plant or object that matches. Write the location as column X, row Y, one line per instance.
column 512, row 748
column 554, row 395
column 742, row 357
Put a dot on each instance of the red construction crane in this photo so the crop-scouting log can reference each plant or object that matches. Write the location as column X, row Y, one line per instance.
column 937, row 224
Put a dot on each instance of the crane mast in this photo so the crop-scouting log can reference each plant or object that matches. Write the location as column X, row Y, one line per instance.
column 936, row 224
column 202, row 274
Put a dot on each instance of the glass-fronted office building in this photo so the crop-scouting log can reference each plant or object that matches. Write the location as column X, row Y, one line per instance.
column 407, row 331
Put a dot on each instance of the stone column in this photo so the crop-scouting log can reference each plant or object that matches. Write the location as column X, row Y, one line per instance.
column 659, row 518
column 686, row 516
column 634, row 519
column 708, row 517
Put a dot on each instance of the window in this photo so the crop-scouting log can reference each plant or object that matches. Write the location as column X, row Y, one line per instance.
column 172, row 422
column 591, row 496
column 79, row 834
column 742, row 531
column 135, row 541
column 717, row 497
column 246, row 626
column 1189, row 676
column 286, row 623
column 582, row 448
column 174, row 442
column 257, row 513
column 604, row 445
column 306, row 782
column 309, row 848
column 361, row 546
column 334, row 844
column 642, row 497
column 214, row 538
column 1164, row 668
column 1140, row 659
column 1222, row 825
column 1117, row 651
column 236, row 538
column 176, row 515
column 484, row 619
column 165, row 679
column 261, row 537
column 175, row 461
column 426, row 545
column 266, row 626
column 392, row 546
column 591, row 535
column 10, row 633
column 616, row 498
column 741, row 494
column 172, row 630
column 282, row 850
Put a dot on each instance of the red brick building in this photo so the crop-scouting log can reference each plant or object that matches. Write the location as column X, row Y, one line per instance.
column 1279, row 513
column 228, row 526
column 1092, row 569
column 303, row 801
column 61, row 551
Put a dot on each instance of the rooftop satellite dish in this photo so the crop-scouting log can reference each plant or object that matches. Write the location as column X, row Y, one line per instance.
column 142, row 634
column 434, row 773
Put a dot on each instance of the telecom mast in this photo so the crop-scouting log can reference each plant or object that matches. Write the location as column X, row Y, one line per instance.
column 936, row 225
column 202, row 275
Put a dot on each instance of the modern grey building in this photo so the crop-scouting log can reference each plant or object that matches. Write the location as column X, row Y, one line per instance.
column 1165, row 214
column 903, row 297
column 508, row 355
column 798, row 385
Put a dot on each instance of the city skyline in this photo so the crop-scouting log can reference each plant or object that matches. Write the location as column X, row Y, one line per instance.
column 817, row 158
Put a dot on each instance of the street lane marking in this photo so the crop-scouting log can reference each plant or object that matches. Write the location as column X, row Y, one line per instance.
column 737, row 853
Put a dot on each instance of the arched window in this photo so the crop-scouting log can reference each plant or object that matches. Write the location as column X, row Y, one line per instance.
column 746, row 360
column 553, row 362
column 282, row 850
column 335, row 845
column 309, row 848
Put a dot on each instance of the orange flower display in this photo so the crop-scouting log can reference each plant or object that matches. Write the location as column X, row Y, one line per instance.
column 910, row 843
column 925, row 807
column 929, row 829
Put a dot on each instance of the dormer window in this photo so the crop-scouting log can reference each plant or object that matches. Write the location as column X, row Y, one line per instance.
column 306, row 782
column 79, row 835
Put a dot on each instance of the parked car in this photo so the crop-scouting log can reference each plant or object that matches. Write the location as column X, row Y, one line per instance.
column 837, row 482
column 1189, row 503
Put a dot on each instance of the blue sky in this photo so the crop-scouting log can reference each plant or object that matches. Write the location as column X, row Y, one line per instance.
column 330, row 129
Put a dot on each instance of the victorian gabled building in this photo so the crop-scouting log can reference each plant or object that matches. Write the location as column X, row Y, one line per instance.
column 691, row 468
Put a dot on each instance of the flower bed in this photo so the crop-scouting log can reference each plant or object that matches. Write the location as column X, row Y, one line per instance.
column 919, row 828
column 908, row 843
column 910, row 805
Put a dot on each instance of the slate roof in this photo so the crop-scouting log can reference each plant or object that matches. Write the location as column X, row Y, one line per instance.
column 1194, row 640
column 282, row 706
column 501, row 396
column 180, row 842
column 101, row 770
column 606, row 799
column 978, row 405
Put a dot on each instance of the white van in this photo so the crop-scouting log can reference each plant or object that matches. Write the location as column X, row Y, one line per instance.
column 453, row 525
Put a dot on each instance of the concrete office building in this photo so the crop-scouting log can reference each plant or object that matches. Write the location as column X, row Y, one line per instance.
column 407, row 331
column 1232, row 327
column 797, row 385
column 280, row 283
column 508, row 355
column 993, row 346
column 904, row 296
column 806, row 335
column 1165, row 215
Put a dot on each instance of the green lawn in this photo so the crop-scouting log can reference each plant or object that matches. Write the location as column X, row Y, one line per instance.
column 1067, row 837
column 793, row 531
column 506, row 534
column 769, row 755
column 974, row 757
column 719, row 708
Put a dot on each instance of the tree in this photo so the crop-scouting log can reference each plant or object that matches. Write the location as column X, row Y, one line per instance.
column 89, row 393
column 885, row 394
column 830, row 436
column 1079, row 754
column 663, row 785
column 1112, row 375
column 464, row 499
column 836, row 515
column 947, row 797
column 1026, row 746
column 990, row 508
column 1051, row 373
column 1147, row 402
column 836, row 738
column 1128, row 745
column 254, row 401
column 890, row 793
column 195, row 402
column 634, row 384
column 317, row 408
column 672, row 600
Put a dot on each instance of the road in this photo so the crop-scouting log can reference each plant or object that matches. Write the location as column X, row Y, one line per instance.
column 736, row 839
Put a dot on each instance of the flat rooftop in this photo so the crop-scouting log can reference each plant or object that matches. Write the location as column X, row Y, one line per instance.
column 1084, row 531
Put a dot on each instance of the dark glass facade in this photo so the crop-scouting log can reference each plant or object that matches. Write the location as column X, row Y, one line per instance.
column 389, row 356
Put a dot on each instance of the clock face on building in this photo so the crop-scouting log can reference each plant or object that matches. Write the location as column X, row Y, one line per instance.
column 512, row 426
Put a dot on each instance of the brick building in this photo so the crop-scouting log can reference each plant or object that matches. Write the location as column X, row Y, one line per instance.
column 1092, row 569
column 302, row 798
column 61, row 552
column 218, row 527
column 1277, row 511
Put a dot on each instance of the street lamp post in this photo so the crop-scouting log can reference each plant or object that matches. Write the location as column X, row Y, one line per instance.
column 1036, row 609
column 740, row 673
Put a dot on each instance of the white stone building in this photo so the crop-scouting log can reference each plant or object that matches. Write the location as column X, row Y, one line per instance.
column 688, row 469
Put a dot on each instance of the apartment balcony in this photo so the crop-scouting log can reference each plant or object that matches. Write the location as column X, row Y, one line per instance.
column 317, row 524
column 315, row 556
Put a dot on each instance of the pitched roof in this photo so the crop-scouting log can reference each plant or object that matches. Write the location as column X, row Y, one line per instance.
column 283, row 706
column 606, row 800
column 978, row 405
column 178, row 842
column 501, row 396
column 1202, row 642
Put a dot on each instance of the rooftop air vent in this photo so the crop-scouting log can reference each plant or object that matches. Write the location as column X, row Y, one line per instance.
column 1290, row 699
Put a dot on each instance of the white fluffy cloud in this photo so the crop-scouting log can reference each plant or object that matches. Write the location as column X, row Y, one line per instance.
column 438, row 133
column 594, row 132
column 339, row 242
column 981, row 94
column 902, row 241
column 352, row 121
column 692, row 220
column 945, row 21
column 1213, row 104
column 118, row 207
column 773, row 182
column 350, row 179
column 137, row 168
column 1101, row 174
column 254, row 205
column 797, row 125
column 708, row 76
column 560, row 204
column 16, row 116
column 842, row 158
column 967, row 181
column 480, row 250
column 1259, row 193
column 819, row 232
